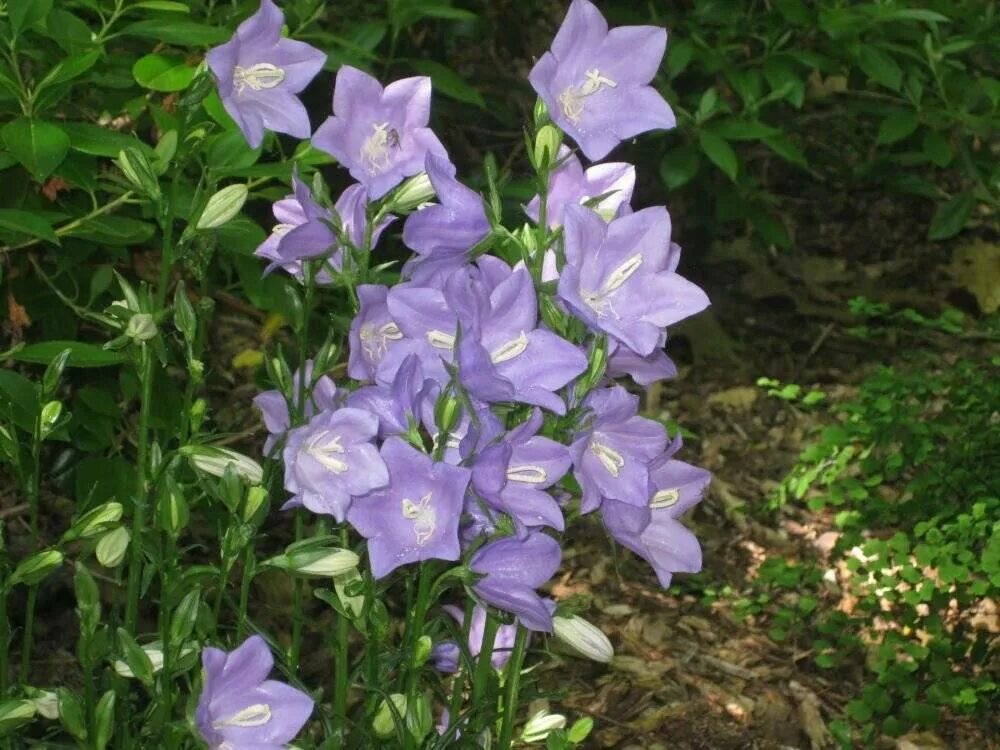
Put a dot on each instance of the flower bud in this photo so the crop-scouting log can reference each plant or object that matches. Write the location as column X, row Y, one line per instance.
column 422, row 651
column 324, row 562
column 215, row 461
column 153, row 652
column 112, row 547
column 412, row 194
column 541, row 113
column 36, row 568
column 446, row 412
column 584, row 638
column 95, row 521
column 547, row 142
column 223, row 206
column 384, row 722
column 198, row 409
column 137, row 170
column 347, row 582
column 597, row 362
column 256, row 497
column 141, row 327
column 541, row 725
column 50, row 416
column 14, row 713
column 46, row 703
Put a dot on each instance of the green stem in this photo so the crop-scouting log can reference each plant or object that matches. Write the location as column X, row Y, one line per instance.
column 512, row 687
column 4, row 642
column 166, row 683
column 70, row 226
column 296, row 649
column 29, row 634
column 248, row 570
column 341, row 680
column 141, row 491
column 484, row 665
column 416, row 627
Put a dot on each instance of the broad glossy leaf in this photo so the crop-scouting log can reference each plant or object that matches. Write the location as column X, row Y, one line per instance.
column 880, row 67
column 162, row 73
column 23, row 13
column 679, row 166
column 897, row 126
column 97, row 141
column 181, row 33
column 71, row 67
column 19, row 398
column 951, row 216
column 114, row 230
column 40, row 146
column 81, row 354
column 720, row 153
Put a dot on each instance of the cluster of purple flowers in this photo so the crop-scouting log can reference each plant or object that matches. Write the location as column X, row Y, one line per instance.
column 469, row 412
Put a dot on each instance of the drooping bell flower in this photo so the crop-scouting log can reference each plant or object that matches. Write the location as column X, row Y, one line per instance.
column 645, row 371
column 373, row 332
column 380, row 135
column 447, row 655
column 570, row 184
column 655, row 532
column 618, row 277
column 274, row 408
column 259, row 74
column 400, row 405
column 442, row 233
column 512, row 569
column 331, row 460
column 595, row 81
column 240, row 708
column 415, row 517
column 428, row 324
column 611, row 456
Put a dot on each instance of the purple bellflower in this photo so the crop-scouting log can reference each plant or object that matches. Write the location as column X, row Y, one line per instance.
column 595, row 81
column 332, row 459
column 618, row 279
column 644, row 371
column 512, row 569
column 380, row 135
column 416, row 516
column 447, row 655
column 373, row 332
column 274, row 408
column 400, row 405
column 259, row 74
column 428, row 324
column 442, row 234
column 611, row 457
column 569, row 184
column 655, row 532
column 240, row 708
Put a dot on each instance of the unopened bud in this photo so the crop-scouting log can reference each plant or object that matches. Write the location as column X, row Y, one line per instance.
column 141, row 327
column 14, row 713
column 95, row 521
column 412, row 194
column 446, row 412
column 384, row 722
column 344, row 584
column 112, row 547
column 36, row 568
column 50, row 416
column 547, row 142
column 223, row 206
column 46, row 703
column 137, row 170
column 541, row 725
column 324, row 562
column 256, row 497
column 584, row 638
column 215, row 461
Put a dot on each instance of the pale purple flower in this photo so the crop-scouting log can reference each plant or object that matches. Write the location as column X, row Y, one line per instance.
column 595, row 82
column 442, row 233
column 274, row 408
column 611, row 456
column 240, row 708
column 259, row 74
column 331, row 460
column 655, row 532
column 512, row 569
column 380, row 135
column 570, row 184
column 428, row 325
column 373, row 332
column 447, row 655
column 502, row 353
column 619, row 277
column 416, row 516
column 400, row 406
column 644, row 371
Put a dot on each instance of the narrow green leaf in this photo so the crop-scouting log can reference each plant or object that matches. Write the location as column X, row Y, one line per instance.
column 97, row 141
column 38, row 145
column 28, row 223
column 448, row 82
column 70, row 68
column 165, row 5
column 736, row 129
column 719, row 152
column 182, row 33
column 81, row 354
column 951, row 216
column 114, row 230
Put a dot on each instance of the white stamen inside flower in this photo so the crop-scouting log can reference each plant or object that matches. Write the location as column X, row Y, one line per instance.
column 280, row 230
column 665, row 498
column 510, row 350
column 376, row 150
column 256, row 715
column 374, row 340
column 529, row 473
column 572, row 98
column 600, row 301
column 423, row 517
column 610, row 459
column 325, row 447
column 257, row 77
column 441, row 340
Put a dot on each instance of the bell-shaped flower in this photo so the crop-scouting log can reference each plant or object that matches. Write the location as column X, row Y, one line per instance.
column 428, row 324
column 415, row 517
column 399, row 406
column 512, row 569
column 447, row 655
column 274, row 408
column 240, row 708
column 611, row 184
column 373, row 332
column 618, row 277
column 611, row 456
column 646, row 370
column 380, row 135
column 259, row 74
column 655, row 532
column 331, row 460
column 442, row 233
column 595, row 81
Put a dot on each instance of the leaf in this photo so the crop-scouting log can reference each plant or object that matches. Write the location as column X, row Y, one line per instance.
column 449, row 82
column 719, row 152
column 23, row 13
column 897, row 126
column 168, row 6
column 28, row 223
column 181, row 33
column 880, row 67
column 97, row 141
column 916, row 14
column 70, row 68
column 19, row 398
column 679, row 166
column 114, row 230
column 679, row 56
column 38, row 145
column 81, row 354
column 735, row 129
column 937, row 148
column 951, row 216
column 162, row 73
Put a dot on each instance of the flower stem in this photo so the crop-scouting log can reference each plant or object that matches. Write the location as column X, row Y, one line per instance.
column 512, row 686
column 248, row 570
column 4, row 642
column 341, row 675
column 139, row 501
column 29, row 634
column 416, row 626
column 484, row 665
